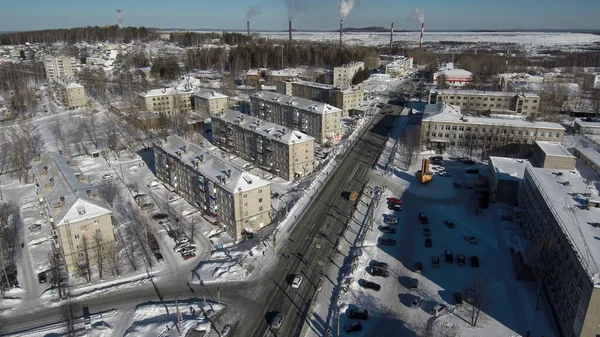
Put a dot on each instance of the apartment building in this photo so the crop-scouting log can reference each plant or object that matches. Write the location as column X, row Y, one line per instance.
column 166, row 100
column 399, row 67
column 210, row 102
column 444, row 126
column 72, row 94
column 342, row 75
column 284, row 152
column 325, row 93
column 59, row 68
column 81, row 222
column 552, row 155
column 236, row 199
column 319, row 120
column 498, row 102
column 561, row 217
column 505, row 177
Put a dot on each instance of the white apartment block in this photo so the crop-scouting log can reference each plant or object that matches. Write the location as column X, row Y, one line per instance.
column 210, row 102
column 284, row 152
column 319, row 120
column 236, row 199
column 325, row 93
column 500, row 102
column 561, row 213
column 72, row 95
column 59, row 68
column 400, row 67
column 81, row 221
column 342, row 75
column 444, row 126
column 167, row 100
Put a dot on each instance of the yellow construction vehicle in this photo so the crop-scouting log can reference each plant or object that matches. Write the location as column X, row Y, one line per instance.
column 423, row 175
column 353, row 196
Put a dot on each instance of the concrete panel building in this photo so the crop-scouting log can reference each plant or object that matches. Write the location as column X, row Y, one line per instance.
column 284, row 152
column 552, row 155
column 81, row 221
column 589, row 156
column 505, row 177
column 60, row 68
column 342, row 75
column 72, row 95
column 561, row 218
column 319, row 120
column 497, row 102
column 399, row 67
column 210, row 102
column 167, row 100
column 586, row 126
column 236, row 199
column 325, row 93
column 444, row 126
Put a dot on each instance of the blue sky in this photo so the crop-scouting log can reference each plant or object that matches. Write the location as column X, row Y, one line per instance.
column 319, row 14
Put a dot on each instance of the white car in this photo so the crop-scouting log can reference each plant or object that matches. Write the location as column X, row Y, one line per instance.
column 188, row 250
column 297, row 282
column 179, row 247
column 182, row 240
column 471, row 239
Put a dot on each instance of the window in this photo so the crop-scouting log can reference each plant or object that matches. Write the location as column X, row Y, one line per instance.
column 81, row 255
column 245, row 204
column 245, row 195
column 245, row 213
column 542, row 134
column 76, row 236
column 98, row 230
column 260, row 208
column 259, row 199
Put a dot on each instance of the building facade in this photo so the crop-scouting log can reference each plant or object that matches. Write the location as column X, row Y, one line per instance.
column 60, row 68
column 167, row 100
column 444, row 126
column 505, row 177
column 72, row 95
column 342, row 75
column 591, row 81
column 400, row 67
column 454, row 77
column 286, row 153
column 236, row 199
column 471, row 101
column 81, row 222
column 210, row 102
column 589, row 156
column 552, row 155
column 325, row 93
column 586, row 126
column 563, row 231
column 319, row 120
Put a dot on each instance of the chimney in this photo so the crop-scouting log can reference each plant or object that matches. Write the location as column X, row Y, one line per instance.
column 290, row 29
column 422, row 32
column 62, row 201
column 248, row 27
column 391, row 37
column 341, row 31
column 228, row 173
column 89, row 193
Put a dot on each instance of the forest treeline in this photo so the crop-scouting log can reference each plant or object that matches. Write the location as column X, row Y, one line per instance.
column 90, row 34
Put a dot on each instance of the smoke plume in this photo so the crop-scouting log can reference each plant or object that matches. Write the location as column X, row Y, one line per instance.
column 294, row 7
column 418, row 14
column 253, row 12
column 346, row 6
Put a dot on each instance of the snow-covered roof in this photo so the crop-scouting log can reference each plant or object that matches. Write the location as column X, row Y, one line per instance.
column 269, row 130
column 62, row 182
column 554, row 149
column 522, row 77
column 208, row 94
column 587, row 124
column 352, row 64
column 159, row 92
column 444, row 112
column 572, row 88
column 314, row 84
column 213, row 168
column 563, row 192
column 481, row 93
column 454, row 73
column 283, row 72
column 297, row 102
column 509, row 168
column 74, row 85
column 255, row 72
column 590, row 154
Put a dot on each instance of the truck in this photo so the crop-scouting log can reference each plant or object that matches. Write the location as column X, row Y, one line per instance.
column 87, row 319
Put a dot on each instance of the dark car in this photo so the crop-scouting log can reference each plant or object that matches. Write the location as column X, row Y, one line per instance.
column 276, row 321
column 423, row 218
column 426, row 231
column 394, row 201
column 380, row 265
column 353, row 327
column 460, row 260
column 158, row 256
column 418, row 267
column 449, row 224
column 435, row 261
column 159, row 216
column 457, row 299
column 387, row 242
column 371, row 285
column 428, row 242
column 379, row 272
column 448, row 256
column 387, row 229
column 474, row 261
column 357, row 313
column 42, row 278
column 395, row 207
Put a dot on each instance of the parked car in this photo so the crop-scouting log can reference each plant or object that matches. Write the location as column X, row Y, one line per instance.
column 426, row 231
column 357, row 313
column 415, row 302
column 159, row 216
column 147, row 206
column 449, row 224
column 387, row 242
column 418, row 267
column 413, row 285
column 471, row 239
column 188, row 256
column 448, row 256
column 428, row 242
column 297, row 282
column 387, row 229
column 107, row 176
column 35, row 227
column 182, row 239
column 379, row 272
column 42, row 278
column 276, row 321
column 470, row 295
column 435, row 261
column 394, row 201
column 460, row 260
column 423, row 218
column 437, row 310
column 353, row 327
column 158, row 256
column 188, row 249
column 474, row 261
column 179, row 247
column 380, row 265
column 139, row 196
column 395, row 207
column 371, row 285
column 173, row 197
column 390, row 220
column 457, row 184
column 457, row 299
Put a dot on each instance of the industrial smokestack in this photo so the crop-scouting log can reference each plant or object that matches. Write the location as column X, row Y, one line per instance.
column 248, row 27
column 341, row 31
column 422, row 32
column 391, row 37
column 290, row 29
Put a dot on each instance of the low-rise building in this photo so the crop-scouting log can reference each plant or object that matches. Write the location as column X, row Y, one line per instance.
column 325, row 93
column 284, row 152
column 587, row 126
column 591, row 81
column 505, row 177
column 81, row 221
column 444, row 126
column 343, row 75
column 552, row 155
column 500, row 102
column 589, row 156
column 256, row 76
column 167, row 100
column 60, row 68
column 400, row 67
column 72, row 94
column 560, row 217
column 238, row 200
column 319, row 120
column 210, row 102
column 123, row 108
column 508, row 79
column 275, row 76
column 454, row 77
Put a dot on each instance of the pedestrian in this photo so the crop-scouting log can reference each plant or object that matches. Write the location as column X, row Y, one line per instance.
column 528, row 333
column 22, row 244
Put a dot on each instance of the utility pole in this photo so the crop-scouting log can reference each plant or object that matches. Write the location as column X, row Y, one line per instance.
column 218, row 295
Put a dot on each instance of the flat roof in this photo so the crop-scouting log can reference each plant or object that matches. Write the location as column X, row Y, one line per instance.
column 482, row 93
column 266, row 129
column 351, row 64
column 283, row 72
column 159, row 92
column 509, row 168
column 212, row 167
column 208, row 94
column 314, row 84
column 590, row 154
column 555, row 149
column 454, row 72
column 587, row 124
column 562, row 191
column 444, row 112
column 298, row 102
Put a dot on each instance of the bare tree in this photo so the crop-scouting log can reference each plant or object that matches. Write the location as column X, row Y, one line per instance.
column 110, row 190
column 552, row 99
column 56, row 268
column 68, row 309
column 443, row 329
column 99, row 252
column 112, row 257
column 481, row 289
column 25, row 143
column 442, row 82
column 84, row 266
column 59, row 136
column 541, row 256
column 409, row 145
